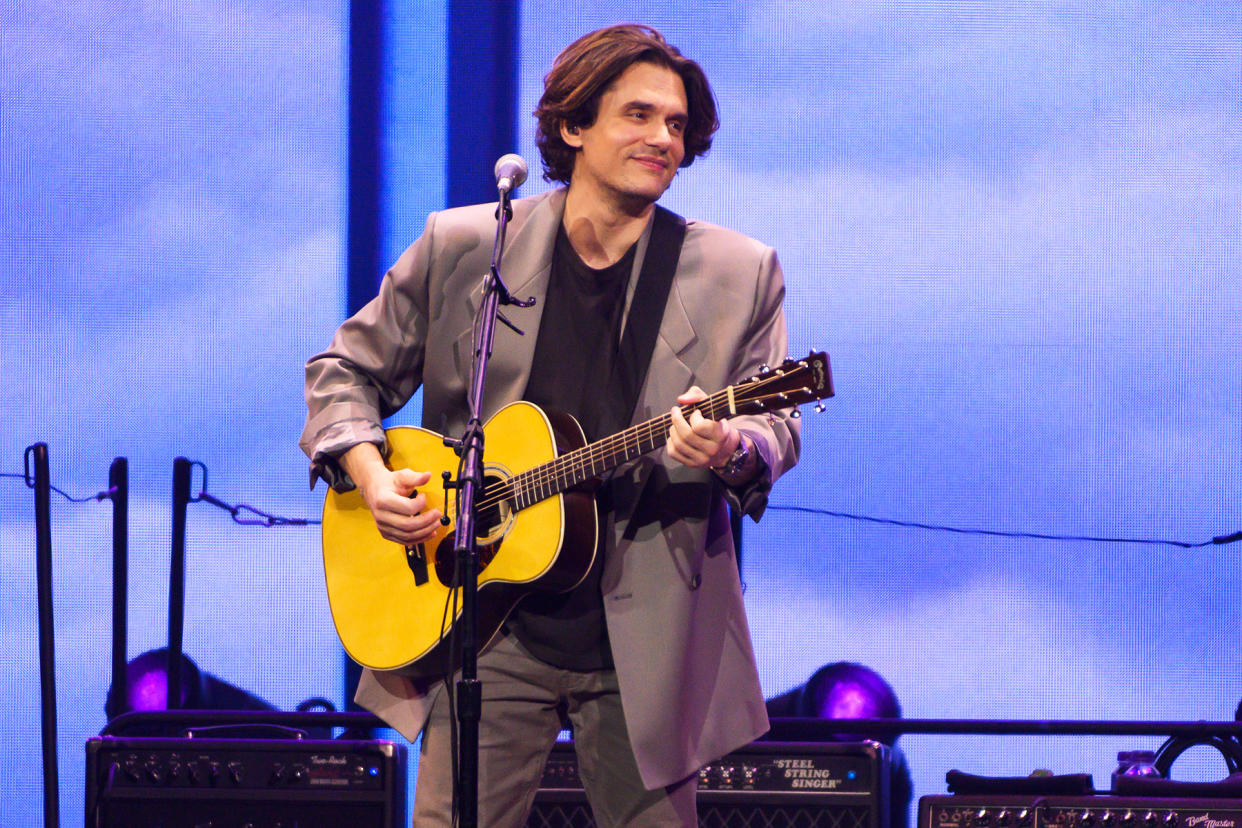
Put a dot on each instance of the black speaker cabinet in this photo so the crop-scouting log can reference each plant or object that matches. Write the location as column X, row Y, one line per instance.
column 244, row 783
column 765, row 785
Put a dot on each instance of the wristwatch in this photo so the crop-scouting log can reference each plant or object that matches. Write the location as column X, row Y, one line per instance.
column 737, row 460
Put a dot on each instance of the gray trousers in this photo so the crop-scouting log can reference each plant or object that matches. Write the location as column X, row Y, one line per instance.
column 521, row 717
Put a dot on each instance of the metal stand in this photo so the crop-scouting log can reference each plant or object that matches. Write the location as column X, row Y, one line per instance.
column 118, row 486
column 182, row 469
column 47, row 642
column 469, row 691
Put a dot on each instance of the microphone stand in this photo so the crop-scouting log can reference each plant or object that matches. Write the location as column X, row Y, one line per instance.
column 470, row 481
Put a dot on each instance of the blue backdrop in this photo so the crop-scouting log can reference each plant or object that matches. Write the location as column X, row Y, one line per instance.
column 1016, row 228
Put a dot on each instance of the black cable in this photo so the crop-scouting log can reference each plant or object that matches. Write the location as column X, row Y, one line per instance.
column 104, row 495
column 269, row 520
column 909, row 524
column 239, row 512
column 260, row 518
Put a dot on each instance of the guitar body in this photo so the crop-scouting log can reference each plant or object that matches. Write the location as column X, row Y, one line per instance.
column 392, row 610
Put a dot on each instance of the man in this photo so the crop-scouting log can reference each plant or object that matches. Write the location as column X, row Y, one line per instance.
column 650, row 656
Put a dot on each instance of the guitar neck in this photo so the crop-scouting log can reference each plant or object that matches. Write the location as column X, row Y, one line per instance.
column 790, row 384
column 595, row 459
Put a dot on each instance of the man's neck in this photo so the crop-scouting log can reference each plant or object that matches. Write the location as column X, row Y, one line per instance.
column 600, row 230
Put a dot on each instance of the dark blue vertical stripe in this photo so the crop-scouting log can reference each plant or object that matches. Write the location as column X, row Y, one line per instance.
column 366, row 156
column 482, row 96
column 481, row 126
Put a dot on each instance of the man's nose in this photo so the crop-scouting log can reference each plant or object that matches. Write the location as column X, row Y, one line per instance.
column 659, row 136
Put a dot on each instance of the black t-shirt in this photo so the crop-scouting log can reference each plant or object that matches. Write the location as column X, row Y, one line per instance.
column 574, row 357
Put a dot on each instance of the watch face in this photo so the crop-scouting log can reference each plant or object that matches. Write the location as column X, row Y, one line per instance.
column 737, row 459
column 742, row 451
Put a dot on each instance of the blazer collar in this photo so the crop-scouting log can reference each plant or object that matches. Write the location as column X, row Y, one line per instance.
column 526, row 267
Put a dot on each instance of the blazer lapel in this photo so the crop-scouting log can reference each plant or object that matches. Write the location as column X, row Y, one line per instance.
column 525, row 266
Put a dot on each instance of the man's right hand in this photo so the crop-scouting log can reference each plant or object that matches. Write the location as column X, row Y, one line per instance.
column 399, row 509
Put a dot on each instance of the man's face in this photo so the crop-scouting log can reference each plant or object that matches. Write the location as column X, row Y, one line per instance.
column 632, row 151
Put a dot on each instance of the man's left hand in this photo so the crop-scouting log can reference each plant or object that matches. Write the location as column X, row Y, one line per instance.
column 699, row 442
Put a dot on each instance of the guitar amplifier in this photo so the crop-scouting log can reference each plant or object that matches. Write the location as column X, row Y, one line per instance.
column 1139, row 812
column 244, row 783
column 764, row 785
column 979, row 811
column 1091, row 811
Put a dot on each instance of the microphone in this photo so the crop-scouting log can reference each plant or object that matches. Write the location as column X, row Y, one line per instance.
column 510, row 172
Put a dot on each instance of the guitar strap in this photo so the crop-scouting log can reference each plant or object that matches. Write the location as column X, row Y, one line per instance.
column 567, row 629
column 629, row 370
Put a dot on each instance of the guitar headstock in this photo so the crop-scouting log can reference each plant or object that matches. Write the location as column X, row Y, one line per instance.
column 792, row 383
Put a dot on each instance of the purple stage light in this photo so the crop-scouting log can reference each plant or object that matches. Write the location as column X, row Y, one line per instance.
column 146, row 678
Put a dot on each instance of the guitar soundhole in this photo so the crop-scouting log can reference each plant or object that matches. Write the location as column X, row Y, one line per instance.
column 495, row 517
column 495, row 513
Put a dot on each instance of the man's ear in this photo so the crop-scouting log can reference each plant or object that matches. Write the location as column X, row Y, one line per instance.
column 571, row 135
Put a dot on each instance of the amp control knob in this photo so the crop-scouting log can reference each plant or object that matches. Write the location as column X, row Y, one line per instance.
column 154, row 772
column 979, row 818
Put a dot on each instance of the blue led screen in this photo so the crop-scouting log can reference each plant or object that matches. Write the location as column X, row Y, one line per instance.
column 1017, row 230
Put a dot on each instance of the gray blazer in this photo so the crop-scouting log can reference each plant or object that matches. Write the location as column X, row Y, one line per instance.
column 672, row 595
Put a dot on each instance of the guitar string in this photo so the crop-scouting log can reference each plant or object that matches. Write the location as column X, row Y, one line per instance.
column 653, row 431
column 714, row 405
column 549, row 475
column 533, row 482
column 555, row 474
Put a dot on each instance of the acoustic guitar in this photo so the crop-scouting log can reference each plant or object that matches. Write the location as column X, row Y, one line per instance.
column 395, row 607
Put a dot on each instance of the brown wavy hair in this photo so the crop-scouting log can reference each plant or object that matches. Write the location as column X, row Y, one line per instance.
column 582, row 73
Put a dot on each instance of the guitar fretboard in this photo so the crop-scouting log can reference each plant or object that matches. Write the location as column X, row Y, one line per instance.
column 580, row 465
column 794, row 382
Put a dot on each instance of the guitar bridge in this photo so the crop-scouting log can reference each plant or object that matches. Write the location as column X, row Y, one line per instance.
column 416, row 558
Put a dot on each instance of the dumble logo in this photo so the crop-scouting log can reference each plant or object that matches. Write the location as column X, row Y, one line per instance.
column 1206, row 821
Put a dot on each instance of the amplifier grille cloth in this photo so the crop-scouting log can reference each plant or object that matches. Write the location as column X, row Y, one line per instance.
column 716, row 815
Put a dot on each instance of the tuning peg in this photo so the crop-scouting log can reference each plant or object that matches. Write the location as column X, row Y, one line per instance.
column 764, row 368
column 795, row 414
column 819, row 407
